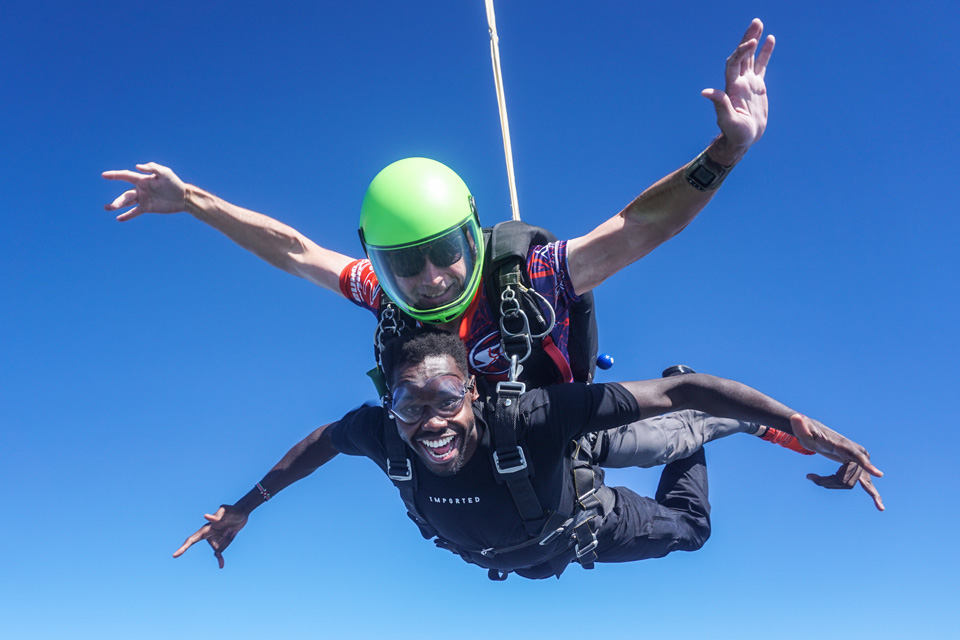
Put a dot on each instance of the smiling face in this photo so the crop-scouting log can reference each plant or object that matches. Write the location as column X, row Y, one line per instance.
column 437, row 398
column 434, row 286
column 433, row 279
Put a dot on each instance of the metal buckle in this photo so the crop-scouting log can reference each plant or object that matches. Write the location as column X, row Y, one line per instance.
column 501, row 471
column 510, row 309
column 511, row 388
column 408, row 476
column 590, row 547
column 580, row 499
column 553, row 315
column 388, row 323
column 553, row 535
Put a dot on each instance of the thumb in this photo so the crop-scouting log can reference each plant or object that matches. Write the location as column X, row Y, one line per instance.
column 216, row 517
column 820, row 481
column 721, row 102
column 800, row 427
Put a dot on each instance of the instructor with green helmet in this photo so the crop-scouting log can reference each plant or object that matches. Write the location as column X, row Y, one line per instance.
column 420, row 230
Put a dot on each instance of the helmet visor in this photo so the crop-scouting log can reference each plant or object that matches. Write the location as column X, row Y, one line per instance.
column 431, row 276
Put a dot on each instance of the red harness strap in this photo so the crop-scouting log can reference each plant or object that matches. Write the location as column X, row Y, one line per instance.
column 563, row 366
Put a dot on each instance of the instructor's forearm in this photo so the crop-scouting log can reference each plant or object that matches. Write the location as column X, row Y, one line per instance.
column 304, row 458
column 671, row 203
column 662, row 211
column 281, row 245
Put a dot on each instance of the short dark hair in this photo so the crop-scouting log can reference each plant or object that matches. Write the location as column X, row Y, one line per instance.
column 416, row 345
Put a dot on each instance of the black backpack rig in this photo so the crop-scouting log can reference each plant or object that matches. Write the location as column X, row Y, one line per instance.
column 526, row 320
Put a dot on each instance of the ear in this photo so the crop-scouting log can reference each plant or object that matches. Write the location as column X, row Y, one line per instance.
column 472, row 386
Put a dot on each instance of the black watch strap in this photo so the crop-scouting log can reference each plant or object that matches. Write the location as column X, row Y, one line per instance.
column 705, row 174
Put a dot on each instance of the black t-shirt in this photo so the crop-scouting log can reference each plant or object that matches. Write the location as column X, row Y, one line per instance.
column 469, row 508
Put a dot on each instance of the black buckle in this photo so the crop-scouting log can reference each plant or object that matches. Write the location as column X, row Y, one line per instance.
column 407, row 476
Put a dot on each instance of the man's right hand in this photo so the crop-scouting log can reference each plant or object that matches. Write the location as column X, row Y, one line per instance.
column 156, row 190
column 855, row 461
column 220, row 530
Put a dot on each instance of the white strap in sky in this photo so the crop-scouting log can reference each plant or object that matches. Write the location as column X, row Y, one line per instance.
column 502, row 102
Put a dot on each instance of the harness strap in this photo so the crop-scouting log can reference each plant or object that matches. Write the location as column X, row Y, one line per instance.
column 391, row 321
column 510, row 465
column 555, row 526
column 585, row 535
column 400, row 472
column 591, row 495
column 550, row 348
column 579, row 532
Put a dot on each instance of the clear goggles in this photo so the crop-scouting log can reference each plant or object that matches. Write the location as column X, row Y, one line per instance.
column 443, row 395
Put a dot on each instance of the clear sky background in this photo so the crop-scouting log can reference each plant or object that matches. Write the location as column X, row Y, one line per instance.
column 151, row 370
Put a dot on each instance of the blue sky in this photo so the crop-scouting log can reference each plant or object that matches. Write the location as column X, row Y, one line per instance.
column 151, row 370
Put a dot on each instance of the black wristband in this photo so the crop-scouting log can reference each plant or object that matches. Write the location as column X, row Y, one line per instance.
column 705, row 174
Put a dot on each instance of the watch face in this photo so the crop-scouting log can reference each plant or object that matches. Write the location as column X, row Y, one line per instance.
column 703, row 176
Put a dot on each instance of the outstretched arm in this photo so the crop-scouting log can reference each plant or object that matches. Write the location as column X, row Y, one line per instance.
column 158, row 190
column 667, row 207
column 729, row 399
column 222, row 527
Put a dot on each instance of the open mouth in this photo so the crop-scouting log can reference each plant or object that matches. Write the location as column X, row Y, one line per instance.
column 441, row 449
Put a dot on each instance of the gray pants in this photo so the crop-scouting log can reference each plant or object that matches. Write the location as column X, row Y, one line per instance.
column 663, row 439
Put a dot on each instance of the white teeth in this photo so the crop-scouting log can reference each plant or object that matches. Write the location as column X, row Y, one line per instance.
column 435, row 444
column 435, row 295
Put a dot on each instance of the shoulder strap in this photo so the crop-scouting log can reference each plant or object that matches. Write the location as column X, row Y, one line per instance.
column 400, row 470
column 583, row 342
column 510, row 463
column 508, row 244
column 523, row 322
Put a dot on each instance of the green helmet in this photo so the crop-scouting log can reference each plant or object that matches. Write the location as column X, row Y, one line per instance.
column 420, row 229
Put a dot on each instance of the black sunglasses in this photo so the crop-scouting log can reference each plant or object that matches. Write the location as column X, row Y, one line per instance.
column 442, row 252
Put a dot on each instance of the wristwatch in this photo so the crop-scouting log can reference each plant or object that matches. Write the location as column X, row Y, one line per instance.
column 705, row 174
